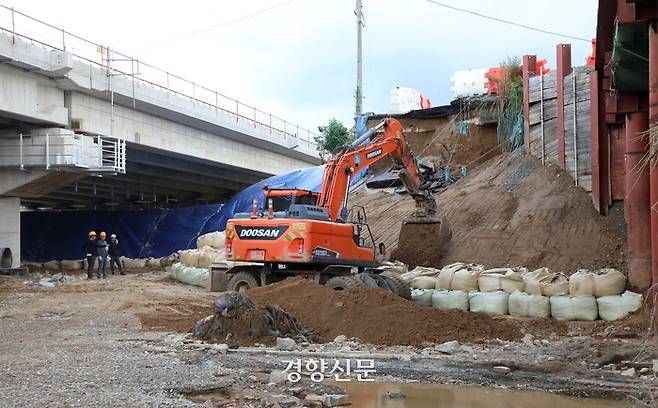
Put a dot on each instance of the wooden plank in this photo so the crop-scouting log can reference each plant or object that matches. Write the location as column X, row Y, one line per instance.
column 549, row 93
column 550, row 111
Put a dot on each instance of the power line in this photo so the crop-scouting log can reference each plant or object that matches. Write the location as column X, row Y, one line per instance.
column 500, row 20
column 236, row 20
column 222, row 24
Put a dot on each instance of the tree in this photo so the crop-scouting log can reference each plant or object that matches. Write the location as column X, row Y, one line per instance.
column 332, row 137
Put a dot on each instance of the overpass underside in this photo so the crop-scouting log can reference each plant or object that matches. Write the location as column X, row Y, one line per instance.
column 78, row 134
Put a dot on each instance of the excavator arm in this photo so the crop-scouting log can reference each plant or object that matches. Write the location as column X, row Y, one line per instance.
column 364, row 152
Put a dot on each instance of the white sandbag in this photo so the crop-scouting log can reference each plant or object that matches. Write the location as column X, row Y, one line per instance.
column 450, row 299
column 419, row 271
column 71, row 265
column 546, row 283
column 505, row 279
column 189, row 257
column 459, row 276
column 51, row 266
column 616, row 307
column 129, row 263
column 190, row 275
column 208, row 256
column 574, row 308
column 525, row 305
column 32, row 265
column 495, row 303
column 604, row 282
column 153, row 263
column 214, row 240
column 422, row 297
column 393, row 269
column 423, row 282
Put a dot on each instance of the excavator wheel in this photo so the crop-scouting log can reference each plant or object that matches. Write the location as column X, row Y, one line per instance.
column 344, row 282
column 398, row 286
column 241, row 281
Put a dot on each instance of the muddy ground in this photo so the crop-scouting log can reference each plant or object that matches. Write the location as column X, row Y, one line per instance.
column 122, row 342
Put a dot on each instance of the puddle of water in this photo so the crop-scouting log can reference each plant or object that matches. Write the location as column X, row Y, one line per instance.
column 376, row 395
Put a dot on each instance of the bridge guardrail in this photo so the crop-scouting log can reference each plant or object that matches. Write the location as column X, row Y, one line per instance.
column 96, row 154
column 20, row 25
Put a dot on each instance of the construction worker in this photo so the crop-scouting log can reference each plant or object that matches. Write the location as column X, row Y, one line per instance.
column 101, row 248
column 91, row 253
column 115, row 254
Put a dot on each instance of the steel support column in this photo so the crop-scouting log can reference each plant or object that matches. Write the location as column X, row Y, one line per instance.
column 653, row 170
column 529, row 69
column 563, row 69
column 596, row 123
column 636, row 202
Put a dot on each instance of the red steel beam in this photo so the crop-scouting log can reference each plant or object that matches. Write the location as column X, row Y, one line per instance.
column 636, row 202
column 563, row 69
column 653, row 170
column 596, row 123
column 529, row 69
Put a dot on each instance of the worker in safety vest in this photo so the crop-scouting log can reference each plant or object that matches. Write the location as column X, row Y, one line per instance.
column 91, row 253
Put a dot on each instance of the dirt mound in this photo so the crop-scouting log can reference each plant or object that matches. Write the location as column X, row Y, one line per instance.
column 378, row 317
column 511, row 211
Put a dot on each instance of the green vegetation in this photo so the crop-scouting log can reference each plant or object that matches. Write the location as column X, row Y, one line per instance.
column 332, row 137
column 507, row 107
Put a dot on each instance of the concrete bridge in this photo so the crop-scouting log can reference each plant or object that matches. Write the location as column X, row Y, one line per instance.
column 83, row 126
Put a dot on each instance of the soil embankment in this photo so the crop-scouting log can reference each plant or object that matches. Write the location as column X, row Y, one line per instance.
column 510, row 211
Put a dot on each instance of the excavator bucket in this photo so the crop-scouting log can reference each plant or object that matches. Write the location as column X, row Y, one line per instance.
column 422, row 240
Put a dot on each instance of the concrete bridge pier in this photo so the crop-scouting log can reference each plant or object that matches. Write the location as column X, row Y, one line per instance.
column 10, row 227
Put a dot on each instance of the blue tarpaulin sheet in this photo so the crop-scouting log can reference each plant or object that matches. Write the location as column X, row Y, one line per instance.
column 48, row 235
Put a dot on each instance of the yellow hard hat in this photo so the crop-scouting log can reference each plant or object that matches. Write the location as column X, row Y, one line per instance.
column 92, row 233
column 103, row 234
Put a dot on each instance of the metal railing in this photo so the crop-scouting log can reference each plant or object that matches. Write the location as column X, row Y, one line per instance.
column 16, row 25
column 98, row 154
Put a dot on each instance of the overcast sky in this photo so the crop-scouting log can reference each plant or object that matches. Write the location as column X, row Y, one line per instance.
column 298, row 60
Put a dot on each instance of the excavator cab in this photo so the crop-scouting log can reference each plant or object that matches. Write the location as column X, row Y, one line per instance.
column 282, row 199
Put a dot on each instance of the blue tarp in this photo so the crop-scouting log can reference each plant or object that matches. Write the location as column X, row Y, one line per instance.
column 48, row 235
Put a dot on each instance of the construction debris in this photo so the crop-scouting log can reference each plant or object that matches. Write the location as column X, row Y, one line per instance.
column 237, row 321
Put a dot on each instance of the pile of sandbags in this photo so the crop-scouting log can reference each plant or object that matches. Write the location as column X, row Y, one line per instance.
column 201, row 258
column 587, row 295
column 71, row 265
column 213, row 240
column 210, row 249
column 189, row 274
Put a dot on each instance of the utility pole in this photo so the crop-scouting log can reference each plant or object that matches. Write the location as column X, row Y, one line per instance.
column 358, row 93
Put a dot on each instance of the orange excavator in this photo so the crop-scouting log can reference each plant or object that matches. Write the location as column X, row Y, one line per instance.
column 317, row 234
